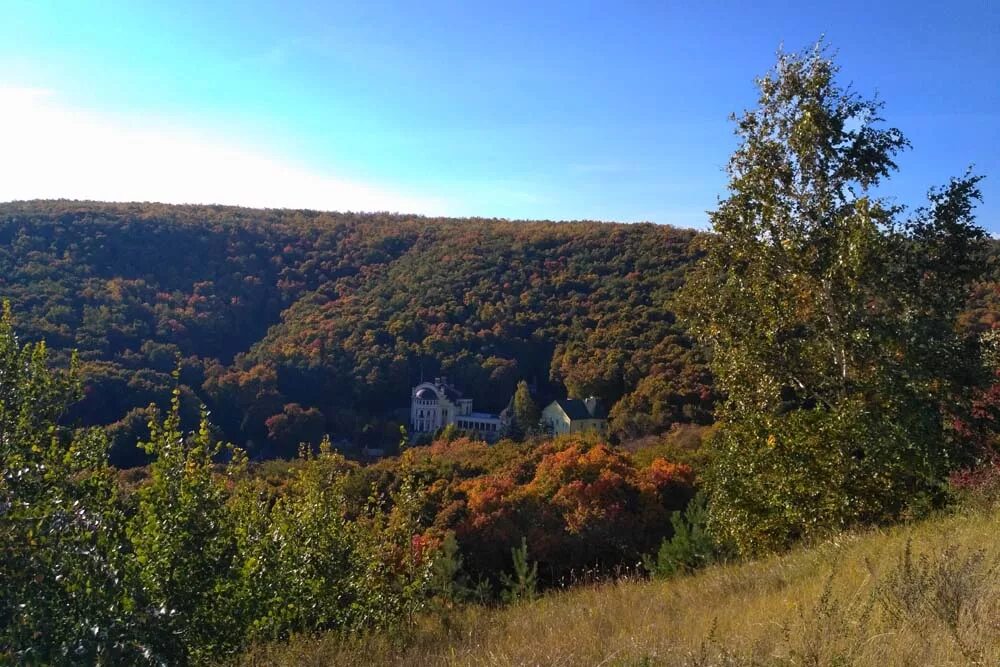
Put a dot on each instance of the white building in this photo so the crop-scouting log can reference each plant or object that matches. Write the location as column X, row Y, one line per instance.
column 435, row 405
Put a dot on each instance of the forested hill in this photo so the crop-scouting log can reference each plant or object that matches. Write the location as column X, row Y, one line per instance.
column 292, row 324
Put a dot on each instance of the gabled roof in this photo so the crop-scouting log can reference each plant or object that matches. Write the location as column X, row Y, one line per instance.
column 576, row 409
column 599, row 412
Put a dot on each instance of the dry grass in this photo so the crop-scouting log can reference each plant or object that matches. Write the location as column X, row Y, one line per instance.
column 915, row 595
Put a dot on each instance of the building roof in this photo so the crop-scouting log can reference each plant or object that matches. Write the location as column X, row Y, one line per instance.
column 577, row 409
column 432, row 391
column 449, row 391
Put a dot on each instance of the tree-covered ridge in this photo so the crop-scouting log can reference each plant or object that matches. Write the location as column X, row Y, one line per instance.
column 582, row 305
column 108, row 278
column 291, row 323
column 295, row 323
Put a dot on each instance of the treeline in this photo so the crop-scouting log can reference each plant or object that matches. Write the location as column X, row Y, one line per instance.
column 293, row 324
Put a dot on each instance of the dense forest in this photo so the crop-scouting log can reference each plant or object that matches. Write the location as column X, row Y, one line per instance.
column 292, row 324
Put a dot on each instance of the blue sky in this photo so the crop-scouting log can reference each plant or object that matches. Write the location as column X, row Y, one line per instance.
column 612, row 111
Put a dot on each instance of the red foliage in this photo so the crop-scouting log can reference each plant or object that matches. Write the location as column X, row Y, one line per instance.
column 982, row 430
column 581, row 504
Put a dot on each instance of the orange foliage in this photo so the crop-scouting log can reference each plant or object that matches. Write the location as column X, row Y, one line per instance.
column 581, row 503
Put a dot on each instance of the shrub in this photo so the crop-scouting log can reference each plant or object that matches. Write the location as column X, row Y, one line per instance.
column 63, row 576
column 690, row 547
column 523, row 584
column 184, row 544
column 781, row 478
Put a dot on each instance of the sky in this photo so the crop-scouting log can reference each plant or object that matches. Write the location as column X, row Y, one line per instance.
column 541, row 110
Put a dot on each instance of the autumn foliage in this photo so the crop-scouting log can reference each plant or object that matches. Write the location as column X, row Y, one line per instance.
column 281, row 320
column 584, row 507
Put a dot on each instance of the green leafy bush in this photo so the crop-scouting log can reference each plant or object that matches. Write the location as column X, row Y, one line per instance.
column 690, row 547
column 63, row 580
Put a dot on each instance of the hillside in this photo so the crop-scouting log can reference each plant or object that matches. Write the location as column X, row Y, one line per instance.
column 326, row 320
column 291, row 324
column 926, row 594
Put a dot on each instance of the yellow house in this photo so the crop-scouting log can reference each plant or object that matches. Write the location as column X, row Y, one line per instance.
column 571, row 415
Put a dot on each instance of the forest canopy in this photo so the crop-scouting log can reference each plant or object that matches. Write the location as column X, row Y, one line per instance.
column 291, row 324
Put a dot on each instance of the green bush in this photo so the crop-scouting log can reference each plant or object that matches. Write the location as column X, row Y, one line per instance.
column 63, row 578
column 690, row 547
column 781, row 478
column 523, row 584
column 184, row 545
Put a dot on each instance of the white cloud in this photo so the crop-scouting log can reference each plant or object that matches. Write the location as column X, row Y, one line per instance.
column 49, row 150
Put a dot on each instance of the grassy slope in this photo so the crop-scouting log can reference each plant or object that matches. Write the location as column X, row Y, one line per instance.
column 850, row 601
